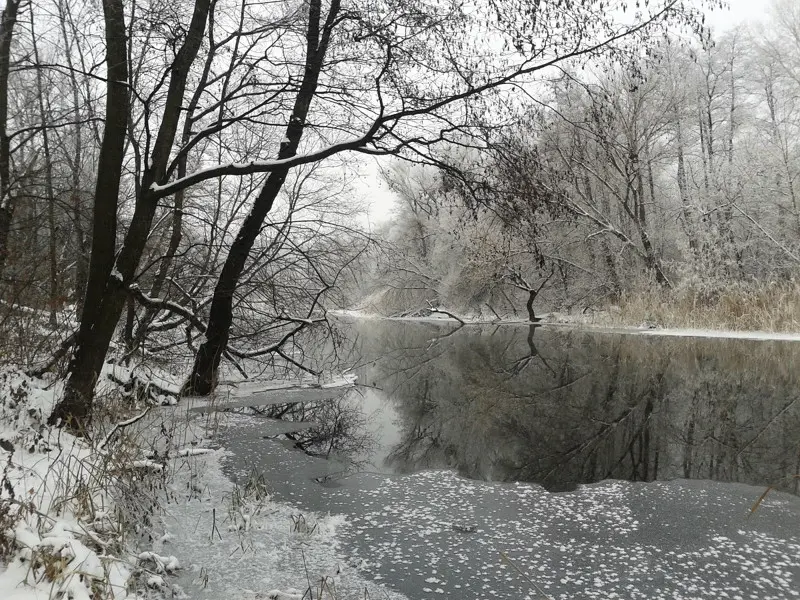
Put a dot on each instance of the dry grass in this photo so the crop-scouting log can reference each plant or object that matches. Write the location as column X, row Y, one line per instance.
column 102, row 485
column 738, row 306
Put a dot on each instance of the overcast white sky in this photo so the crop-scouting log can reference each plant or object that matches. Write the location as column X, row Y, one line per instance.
column 741, row 11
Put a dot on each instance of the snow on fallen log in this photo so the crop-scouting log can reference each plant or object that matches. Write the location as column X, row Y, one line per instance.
column 148, row 465
column 193, row 451
column 290, row 594
column 448, row 313
column 150, row 385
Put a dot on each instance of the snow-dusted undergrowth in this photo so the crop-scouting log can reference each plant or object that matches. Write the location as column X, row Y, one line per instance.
column 238, row 542
column 60, row 534
column 74, row 509
column 141, row 508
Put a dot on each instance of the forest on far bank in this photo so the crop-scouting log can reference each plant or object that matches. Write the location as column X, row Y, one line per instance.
column 660, row 190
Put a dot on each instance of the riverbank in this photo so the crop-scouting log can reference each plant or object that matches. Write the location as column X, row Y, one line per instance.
column 596, row 322
column 743, row 309
column 66, row 505
column 142, row 509
column 154, row 511
column 238, row 541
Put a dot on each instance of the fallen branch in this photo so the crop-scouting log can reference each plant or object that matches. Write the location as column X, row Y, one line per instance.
column 769, row 236
column 449, row 314
column 62, row 351
column 494, row 312
column 123, row 425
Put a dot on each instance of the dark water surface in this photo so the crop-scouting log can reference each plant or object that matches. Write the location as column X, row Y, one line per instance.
column 561, row 407
column 472, row 429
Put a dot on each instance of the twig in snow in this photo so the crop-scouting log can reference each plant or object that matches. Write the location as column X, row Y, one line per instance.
column 214, row 524
column 504, row 556
column 123, row 425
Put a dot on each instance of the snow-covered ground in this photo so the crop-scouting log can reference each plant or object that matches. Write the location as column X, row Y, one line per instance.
column 240, row 543
column 58, row 531
column 84, row 520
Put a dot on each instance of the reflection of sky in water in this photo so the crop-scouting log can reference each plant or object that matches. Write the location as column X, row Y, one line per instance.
column 383, row 423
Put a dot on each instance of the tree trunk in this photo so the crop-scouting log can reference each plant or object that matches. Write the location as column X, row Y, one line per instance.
column 529, row 306
column 75, row 164
column 203, row 378
column 81, row 262
column 204, row 372
column 6, row 216
column 7, row 23
column 48, row 181
column 127, row 334
column 683, row 188
column 703, row 145
column 732, row 112
column 727, row 213
column 76, row 406
column 608, row 258
column 107, row 290
column 652, row 261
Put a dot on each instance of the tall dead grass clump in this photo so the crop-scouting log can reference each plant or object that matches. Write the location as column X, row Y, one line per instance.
column 741, row 306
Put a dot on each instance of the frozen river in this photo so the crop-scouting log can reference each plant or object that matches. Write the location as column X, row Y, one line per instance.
column 508, row 462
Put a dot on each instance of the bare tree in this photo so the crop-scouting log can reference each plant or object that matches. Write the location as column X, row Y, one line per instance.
column 84, row 369
column 346, row 77
column 386, row 133
column 7, row 24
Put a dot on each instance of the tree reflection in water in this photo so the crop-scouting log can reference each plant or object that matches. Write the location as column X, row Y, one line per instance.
column 340, row 428
column 561, row 407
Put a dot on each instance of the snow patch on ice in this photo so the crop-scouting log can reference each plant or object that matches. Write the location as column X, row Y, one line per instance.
column 246, row 548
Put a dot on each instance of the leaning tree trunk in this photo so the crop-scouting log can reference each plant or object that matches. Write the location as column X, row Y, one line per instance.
column 204, row 372
column 651, row 259
column 529, row 306
column 203, row 378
